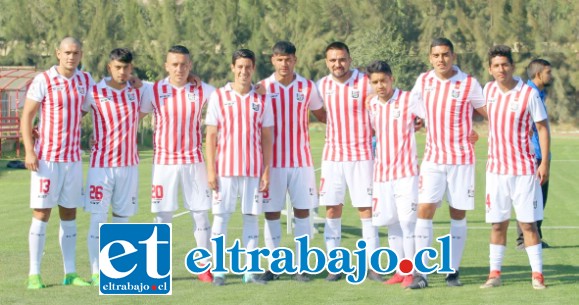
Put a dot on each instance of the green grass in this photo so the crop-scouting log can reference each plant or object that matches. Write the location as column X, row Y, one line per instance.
column 560, row 230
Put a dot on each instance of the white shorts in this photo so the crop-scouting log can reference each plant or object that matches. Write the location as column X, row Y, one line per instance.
column 457, row 181
column 112, row 186
column 299, row 182
column 193, row 181
column 394, row 201
column 230, row 188
column 356, row 176
column 506, row 191
column 56, row 183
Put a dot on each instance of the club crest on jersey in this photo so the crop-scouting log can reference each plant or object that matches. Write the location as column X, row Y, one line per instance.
column 514, row 106
column 192, row 97
column 81, row 90
column 300, row 97
column 355, row 93
column 455, row 93
column 396, row 113
column 131, row 96
column 255, row 106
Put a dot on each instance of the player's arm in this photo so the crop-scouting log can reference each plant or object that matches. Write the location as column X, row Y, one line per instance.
column 210, row 151
column 28, row 113
column 545, row 143
column 483, row 111
column 267, row 150
column 320, row 115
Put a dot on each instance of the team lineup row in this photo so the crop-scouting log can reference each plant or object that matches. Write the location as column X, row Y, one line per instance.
column 258, row 150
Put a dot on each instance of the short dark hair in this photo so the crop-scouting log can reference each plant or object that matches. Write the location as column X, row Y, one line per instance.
column 123, row 55
column 441, row 41
column 536, row 66
column 338, row 45
column 500, row 50
column 379, row 66
column 179, row 49
column 284, row 48
column 243, row 53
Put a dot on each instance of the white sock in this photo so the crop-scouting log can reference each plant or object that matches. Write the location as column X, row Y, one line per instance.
column 408, row 242
column 458, row 233
column 333, row 233
column 272, row 235
column 250, row 235
column 497, row 252
column 67, row 236
column 423, row 236
column 395, row 239
column 202, row 230
column 219, row 227
column 535, row 254
column 36, row 240
column 303, row 227
column 370, row 236
column 164, row 217
column 92, row 240
column 118, row 219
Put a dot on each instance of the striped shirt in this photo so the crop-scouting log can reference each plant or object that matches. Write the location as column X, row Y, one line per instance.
column 393, row 122
column 348, row 130
column 511, row 117
column 448, row 106
column 239, row 120
column 177, row 137
column 291, row 105
column 60, row 101
column 115, row 118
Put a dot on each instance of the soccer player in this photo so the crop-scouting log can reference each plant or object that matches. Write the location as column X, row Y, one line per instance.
column 112, row 178
column 540, row 78
column 347, row 156
column 448, row 97
column 292, row 171
column 54, row 158
column 178, row 159
column 239, row 150
column 513, row 178
column 395, row 193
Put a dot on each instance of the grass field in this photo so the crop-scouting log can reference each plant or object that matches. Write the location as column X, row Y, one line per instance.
column 560, row 230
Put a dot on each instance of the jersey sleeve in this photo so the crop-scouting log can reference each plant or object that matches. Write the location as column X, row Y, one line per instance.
column 416, row 100
column 89, row 100
column 212, row 116
column 536, row 107
column 315, row 99
column 147, row 98
column 207, row 92
column 475, row 95
column 38, row 88
column 268, row 114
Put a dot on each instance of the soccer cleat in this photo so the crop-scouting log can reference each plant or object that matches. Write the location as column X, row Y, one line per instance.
column 520, row 247
column 252, row 279
column 545, row 245
column 219, row 281
column 538, row 281
column 395, row 279
column 334, row 277
column 302, row 277
column 35, row 282
column 494, row 280
column 269, row 276
column 74, row 279
column 407, row 281
column 372, row 275
column 418, row 282
column 206, row 277
column 95, row 279
column 452, row 280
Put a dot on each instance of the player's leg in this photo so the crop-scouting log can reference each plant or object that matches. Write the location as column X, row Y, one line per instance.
column 273, row 202
column 251, row 207
column 406, row 190
column 223, row 205
column 164, row 191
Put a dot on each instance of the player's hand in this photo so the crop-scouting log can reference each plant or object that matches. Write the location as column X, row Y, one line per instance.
column 35, row 133
column 418, row 124
column 194, row 79
column 259, row 89
column 543, row 172
column 264, row 183
column 135, row 82
column 31, row 162
column 368, row 99
column 473, row 137
column 212, row 181
column 91, row 142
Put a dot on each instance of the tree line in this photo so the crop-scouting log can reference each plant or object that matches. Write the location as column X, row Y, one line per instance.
column 398, row 31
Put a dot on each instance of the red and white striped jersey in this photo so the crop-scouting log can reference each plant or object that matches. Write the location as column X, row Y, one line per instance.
column 291, row 105
column 60, row 101
column 393, row 122
column 348, row 130
column 448, row 106
column 511, row 117
column 177, row 136
column 115, row 118
column 239, row 120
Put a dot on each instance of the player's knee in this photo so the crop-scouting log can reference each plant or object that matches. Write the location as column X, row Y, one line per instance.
column 301, row 213
column 66, row 213
column 276, row 215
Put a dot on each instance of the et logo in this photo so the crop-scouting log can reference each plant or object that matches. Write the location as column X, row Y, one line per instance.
column 135, row 259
